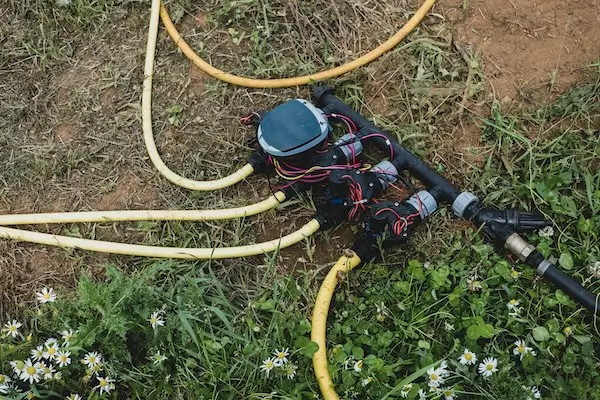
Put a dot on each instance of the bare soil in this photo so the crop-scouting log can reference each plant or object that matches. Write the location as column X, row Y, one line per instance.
column 70, row 135
column 530, row 45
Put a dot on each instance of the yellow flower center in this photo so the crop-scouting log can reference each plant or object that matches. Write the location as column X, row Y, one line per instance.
column 47, row 296
column 31, row 370
column 434, row 377
column 63, row 358
column 521, row 348
column 280, row 355
column 12, row 328
column 92, row 359
column 468, row 356
column 103, row 383
column 2, row 379
column 513, row 302
column 489, row 367
column 51, row 351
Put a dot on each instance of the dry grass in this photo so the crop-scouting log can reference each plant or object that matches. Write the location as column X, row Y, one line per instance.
column 70, row 134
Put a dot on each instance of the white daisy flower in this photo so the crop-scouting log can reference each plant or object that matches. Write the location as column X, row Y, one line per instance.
column 156, row 320
column 358, row 366
column 4, row 379
column 63, row 358
column 521, row 349
column 448, row 326
column 406, row 390
column 267, row 366
column 448, row 393
column 422, row 394
column 158, row 358
column 442, row 370
column 468, row 358
column 9, row 388
column 474, row 284
column 63, row 3
column 48, row 372
column 47, row 295
column 290, row 370
column 67, row 335
column 488, row 366
column 535, row 392
column 280, row 356
column 50, row 341
column 51, row 351
column 546, row 232
column 18, row 366
column 96, row 369
column 513, row 304
column 57, row 376
column 366, row 381
column 73, row 396
column 92, row 359
column 105, row 385
column 513, row 308
column 31, row 372
column 38, row 353
column 12, row 328
column 435, row 379
column 594, row 270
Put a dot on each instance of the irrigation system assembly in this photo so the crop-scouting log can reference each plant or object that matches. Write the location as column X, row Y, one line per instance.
column 300, row 142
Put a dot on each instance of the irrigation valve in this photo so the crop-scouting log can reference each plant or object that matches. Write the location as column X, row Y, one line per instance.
column 296, row 141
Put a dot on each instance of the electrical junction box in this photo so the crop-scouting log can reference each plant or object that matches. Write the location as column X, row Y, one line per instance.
column 293, row 128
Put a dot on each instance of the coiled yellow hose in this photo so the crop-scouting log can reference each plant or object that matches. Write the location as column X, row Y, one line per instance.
column 300, row 80
column 143, row 215
column 160, row 252
column 319, row 322
column 162, row 168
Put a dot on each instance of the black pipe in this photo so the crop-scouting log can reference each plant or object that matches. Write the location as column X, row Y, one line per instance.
column 403, row 159
column 570, row 286
column 498, row 226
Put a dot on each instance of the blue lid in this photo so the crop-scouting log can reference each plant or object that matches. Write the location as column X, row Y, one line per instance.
column 292, row 128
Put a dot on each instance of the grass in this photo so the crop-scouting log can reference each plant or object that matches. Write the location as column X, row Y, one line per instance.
column 70, row 140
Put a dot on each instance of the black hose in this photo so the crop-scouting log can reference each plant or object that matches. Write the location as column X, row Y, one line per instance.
column 571, row 287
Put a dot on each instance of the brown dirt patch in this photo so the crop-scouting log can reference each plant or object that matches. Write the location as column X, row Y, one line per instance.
column 66, row 133
column 531, row 44
column 26, row 269
column 129, row 191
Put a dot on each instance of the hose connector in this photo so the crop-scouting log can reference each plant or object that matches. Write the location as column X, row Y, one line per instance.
column 519, row 246
column 350, row 145
column 462, row 202
column 386, row 173
column 424, row 202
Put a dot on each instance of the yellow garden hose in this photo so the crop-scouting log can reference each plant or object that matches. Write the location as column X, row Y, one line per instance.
column 319, row 322
column 232, row 179
column 143, row 215
column 161, row 252
column 300, row 80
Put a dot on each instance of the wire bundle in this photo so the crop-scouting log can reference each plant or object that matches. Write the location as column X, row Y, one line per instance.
column 402, row 222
